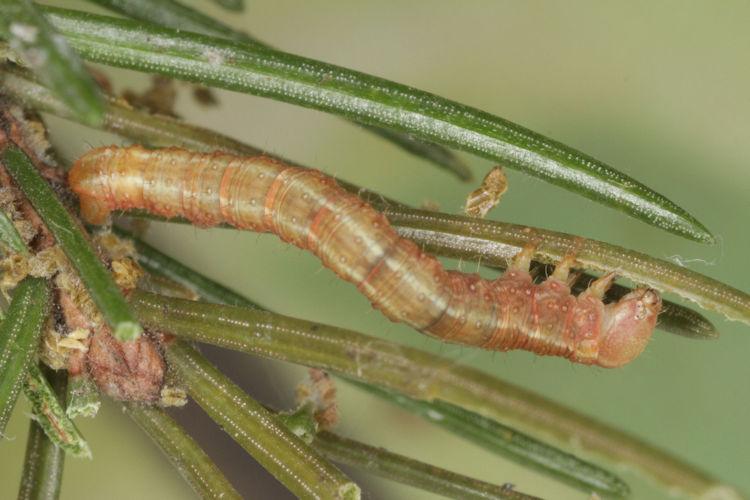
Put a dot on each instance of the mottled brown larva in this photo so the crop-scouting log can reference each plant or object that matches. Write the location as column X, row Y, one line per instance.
column 308, row 209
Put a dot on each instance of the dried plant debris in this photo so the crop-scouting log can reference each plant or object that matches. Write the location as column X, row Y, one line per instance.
column 121, row 254
column 487, row 196
column 204, row 95
column 158, row 99
column 14, row 268
column 70, row 284
column 44, row 264
column 172, row 396
column 57, row 347
column 164, row 286
column 15, row 205
column 430, row 206
column 7, row 204
column 34, row 132
column 113, row 247
column 126, row 273
column 319, row 392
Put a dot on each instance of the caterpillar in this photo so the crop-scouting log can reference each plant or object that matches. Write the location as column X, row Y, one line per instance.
column 306, row 208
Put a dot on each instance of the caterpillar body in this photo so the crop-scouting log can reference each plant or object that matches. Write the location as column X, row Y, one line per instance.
column 308, row 209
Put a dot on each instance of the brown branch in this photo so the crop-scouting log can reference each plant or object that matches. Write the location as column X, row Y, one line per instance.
column 132, row 371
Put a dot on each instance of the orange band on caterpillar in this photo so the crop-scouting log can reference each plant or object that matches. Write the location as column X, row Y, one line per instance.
column 308, row 209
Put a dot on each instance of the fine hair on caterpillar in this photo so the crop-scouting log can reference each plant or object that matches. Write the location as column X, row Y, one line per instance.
column 308, row 209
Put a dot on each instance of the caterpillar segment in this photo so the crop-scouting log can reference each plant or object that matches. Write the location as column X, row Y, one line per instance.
column 308, row 209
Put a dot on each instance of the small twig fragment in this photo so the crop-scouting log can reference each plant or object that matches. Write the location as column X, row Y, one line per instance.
column 487, row 196
column 319, row 391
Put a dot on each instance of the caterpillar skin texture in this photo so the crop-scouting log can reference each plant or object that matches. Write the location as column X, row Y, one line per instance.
column 308, row 209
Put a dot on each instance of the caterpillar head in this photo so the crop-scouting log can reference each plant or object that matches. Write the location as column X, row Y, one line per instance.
column 88, row 178
column 628, row 326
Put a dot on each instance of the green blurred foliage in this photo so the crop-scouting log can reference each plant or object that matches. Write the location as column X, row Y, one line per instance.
column 657, row 90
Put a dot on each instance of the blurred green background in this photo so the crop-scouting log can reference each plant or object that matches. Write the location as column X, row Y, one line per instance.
column 658, row 90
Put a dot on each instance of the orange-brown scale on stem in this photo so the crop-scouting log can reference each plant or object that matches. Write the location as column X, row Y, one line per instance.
column 308, row 209
column 128, row 371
